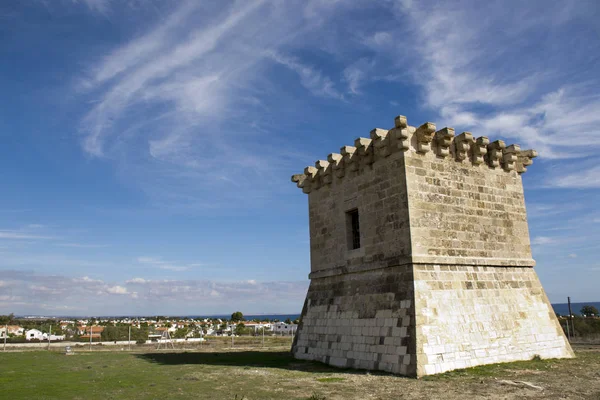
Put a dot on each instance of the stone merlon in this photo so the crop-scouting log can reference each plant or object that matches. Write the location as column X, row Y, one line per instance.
column 463, row 148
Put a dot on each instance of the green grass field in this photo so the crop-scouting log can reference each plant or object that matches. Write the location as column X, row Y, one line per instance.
column 272, row 374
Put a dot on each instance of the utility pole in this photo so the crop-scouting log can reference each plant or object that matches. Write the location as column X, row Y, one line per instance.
column 129, row 341
column 49, row 333
column 5, row 335
column 263, row 336
column 571, row 316
column 91, row 332
column 568, row 332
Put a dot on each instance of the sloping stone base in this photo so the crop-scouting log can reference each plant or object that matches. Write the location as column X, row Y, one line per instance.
column 422, row 319
column 362, row 320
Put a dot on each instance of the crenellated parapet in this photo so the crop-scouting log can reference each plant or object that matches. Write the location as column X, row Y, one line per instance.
column 444, row 143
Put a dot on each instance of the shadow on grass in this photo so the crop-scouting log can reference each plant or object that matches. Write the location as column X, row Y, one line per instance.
column 282, row 360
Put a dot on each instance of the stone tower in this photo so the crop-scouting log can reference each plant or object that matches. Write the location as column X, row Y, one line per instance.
column 420, row 256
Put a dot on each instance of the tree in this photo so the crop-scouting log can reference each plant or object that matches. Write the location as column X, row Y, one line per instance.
column 288, row 321
column 181, row 333
column 237, row 316
column 588, row 311
column 241, row 329
column 7, row 319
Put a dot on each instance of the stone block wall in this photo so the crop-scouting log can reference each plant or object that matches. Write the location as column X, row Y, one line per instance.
column 362, row 320
column 473, row 315
column 464, row 213
column 378, row 192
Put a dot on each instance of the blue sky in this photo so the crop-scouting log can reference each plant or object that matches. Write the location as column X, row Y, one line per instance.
column 146, row 146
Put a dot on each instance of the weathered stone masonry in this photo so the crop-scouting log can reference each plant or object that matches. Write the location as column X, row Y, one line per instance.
column 443, row 276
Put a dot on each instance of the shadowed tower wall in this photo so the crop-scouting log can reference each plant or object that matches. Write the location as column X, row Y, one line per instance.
column 441, row 274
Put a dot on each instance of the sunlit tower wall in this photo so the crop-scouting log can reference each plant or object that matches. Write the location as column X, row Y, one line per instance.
column 420, row 256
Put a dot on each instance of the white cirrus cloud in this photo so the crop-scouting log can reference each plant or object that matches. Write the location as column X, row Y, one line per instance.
column 183, row 109
column 81, row 245
column 189, row 96
column 357, row 73
column 18, row 235
column 489, row 81
column 35, row 226
column 311, row 78
column 586, row 179
column 100, row 6
column 167, row 265
column 542, row 240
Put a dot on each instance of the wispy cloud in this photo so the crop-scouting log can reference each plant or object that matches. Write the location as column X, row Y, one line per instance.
column 379, row 41
column 311, row 78
column 167, row 265
column 28, row 232
column 542, row 240
column 356, row 74
column 82, row 245
column 146, row 78
column 18, row 235
column 469, row 74
column 202, row 75
column 100, row 6
column 548, row 209
column 41, row 259
column 31, row 234
column 138, row 50
column 36, row 226
column 578, row 179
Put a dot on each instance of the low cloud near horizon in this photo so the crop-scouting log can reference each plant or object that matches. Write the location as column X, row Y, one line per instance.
column 54, row 295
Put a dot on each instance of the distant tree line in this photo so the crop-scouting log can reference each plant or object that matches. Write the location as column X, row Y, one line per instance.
column 588, row 324
column 583, row 326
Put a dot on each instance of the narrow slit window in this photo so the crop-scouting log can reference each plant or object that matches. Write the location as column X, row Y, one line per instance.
column 353, row 230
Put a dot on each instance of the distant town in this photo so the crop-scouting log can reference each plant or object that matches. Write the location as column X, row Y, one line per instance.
column 140, row 329
column 148, row 329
